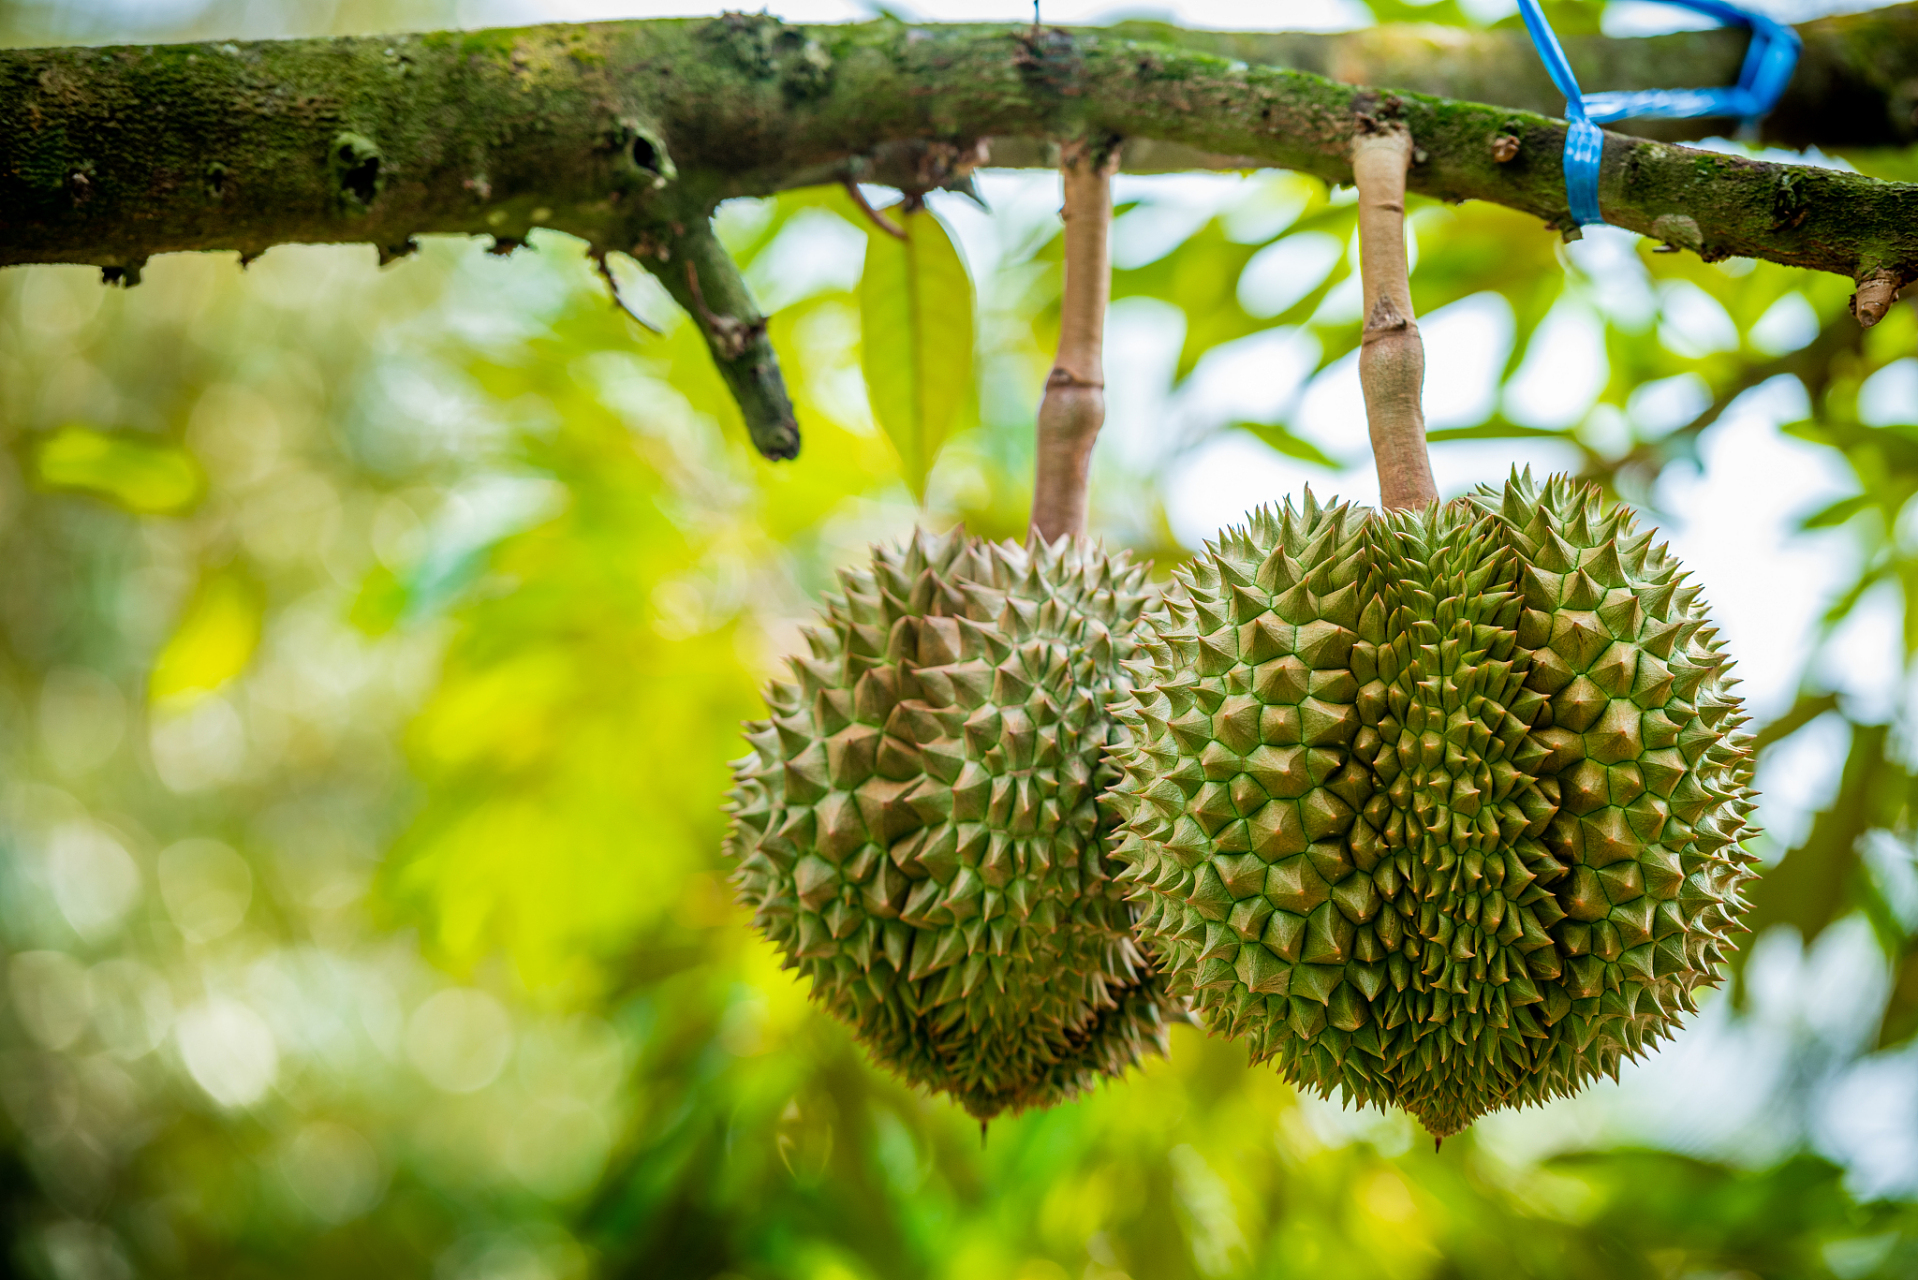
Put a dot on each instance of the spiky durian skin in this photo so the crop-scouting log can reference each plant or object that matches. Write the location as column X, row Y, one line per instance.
column 1437, row 809
column 918, row 827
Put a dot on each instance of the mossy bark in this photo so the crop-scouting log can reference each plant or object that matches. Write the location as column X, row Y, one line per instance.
column 613, row 131
column 1856, row 83
column 628, row 133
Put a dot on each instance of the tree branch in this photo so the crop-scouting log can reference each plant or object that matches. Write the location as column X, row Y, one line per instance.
column 1856, row 83
column 690, row 262
column 611, row 130
column 628, row 133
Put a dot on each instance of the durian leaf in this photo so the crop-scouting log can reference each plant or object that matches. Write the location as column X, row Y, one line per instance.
column 1807, row 709
column 1900, row 1018
column 1280, row 439
column 1837, row 513
column 1494, row 428
column 916, row 338
column 1808, row 887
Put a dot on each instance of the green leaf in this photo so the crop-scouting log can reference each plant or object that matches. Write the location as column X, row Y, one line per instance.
column 1280, row 439
column 915, row 316
column 1496, row 428
column 1806, row 709
column 1900, row 1020
column 142, row 475
column 1808, row 889
column 212, row 644
column 1837, row 513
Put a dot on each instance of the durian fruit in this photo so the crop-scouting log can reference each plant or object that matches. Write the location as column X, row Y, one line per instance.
column 918, row 827
column 1440, row 807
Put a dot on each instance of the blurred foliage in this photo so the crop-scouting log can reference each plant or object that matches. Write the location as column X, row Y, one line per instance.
column 372, row 642
column 135, row 474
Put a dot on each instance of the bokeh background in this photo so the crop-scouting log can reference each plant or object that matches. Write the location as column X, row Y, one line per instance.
column 372, row 641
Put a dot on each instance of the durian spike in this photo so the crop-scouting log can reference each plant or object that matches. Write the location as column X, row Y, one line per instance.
column 1391, row 357
column 1074, row 407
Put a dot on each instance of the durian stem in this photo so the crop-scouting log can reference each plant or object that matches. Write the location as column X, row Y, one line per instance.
column 1391, row 357
column 1074, row 407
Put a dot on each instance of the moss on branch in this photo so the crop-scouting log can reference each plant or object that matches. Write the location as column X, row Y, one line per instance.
column 629, row 133
column 689, row 260
column 1856, row 83
column 612, row 131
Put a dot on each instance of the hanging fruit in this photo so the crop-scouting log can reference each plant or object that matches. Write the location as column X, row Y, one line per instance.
column 1437, row 806
column 919, row 828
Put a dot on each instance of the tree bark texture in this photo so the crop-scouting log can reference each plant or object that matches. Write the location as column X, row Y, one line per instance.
column 627, row 134
column 689, row 260
column 1856, row 84
column 615, row 131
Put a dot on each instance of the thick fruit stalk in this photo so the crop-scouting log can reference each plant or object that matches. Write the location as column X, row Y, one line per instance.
column 1391, row 357
column 1074, row 406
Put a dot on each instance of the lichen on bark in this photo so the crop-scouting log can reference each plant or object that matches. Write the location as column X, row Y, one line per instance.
column 627, row 134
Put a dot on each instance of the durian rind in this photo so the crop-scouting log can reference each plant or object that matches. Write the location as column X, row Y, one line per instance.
column 1438, row 809
column 918, row 828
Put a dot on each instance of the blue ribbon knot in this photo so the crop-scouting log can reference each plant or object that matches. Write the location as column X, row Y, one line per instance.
column 1769, row 62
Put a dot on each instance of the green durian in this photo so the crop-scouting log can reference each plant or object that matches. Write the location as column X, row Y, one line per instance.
column 1437, row 808
column 919, row 830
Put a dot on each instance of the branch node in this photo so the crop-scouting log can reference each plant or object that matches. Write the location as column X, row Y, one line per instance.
column 1067, row 378
column 389, row 254
column 125, row 275
column 1385, row 319
column 1876, row 293
column 1679, row 229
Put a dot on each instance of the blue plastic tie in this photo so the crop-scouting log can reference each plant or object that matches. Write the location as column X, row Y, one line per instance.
column 1769, row 62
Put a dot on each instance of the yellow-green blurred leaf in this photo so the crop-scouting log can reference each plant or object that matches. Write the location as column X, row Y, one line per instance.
column 380, row 603
column 139, row 474
column 213, row 642
column 915, row 315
